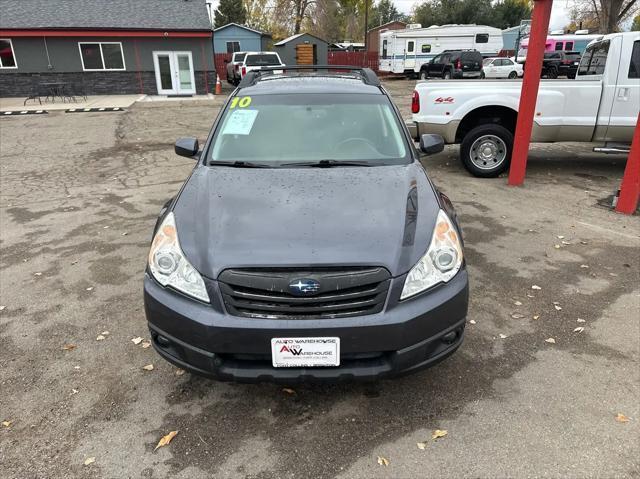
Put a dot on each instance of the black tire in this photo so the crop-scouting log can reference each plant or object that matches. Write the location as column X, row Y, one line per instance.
column 446, row 75
column 552, row 73
column 487, row 171
column 423, row 74
column 513, row 75
column 482, row 77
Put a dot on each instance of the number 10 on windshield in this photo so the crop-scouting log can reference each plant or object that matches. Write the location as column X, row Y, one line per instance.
column 243, row 102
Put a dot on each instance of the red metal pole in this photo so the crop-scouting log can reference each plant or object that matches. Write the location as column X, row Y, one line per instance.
column 630, row 187
column 529, row 92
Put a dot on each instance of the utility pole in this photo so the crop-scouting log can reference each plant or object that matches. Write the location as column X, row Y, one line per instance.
column 366, row 24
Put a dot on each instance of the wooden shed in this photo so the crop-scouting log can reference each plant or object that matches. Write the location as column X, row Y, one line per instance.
column 302, row 49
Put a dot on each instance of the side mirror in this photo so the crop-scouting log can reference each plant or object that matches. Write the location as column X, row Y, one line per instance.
column 186, row 147
column 431, row 144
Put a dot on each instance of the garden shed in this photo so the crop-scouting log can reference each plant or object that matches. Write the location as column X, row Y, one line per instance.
column 302, row 49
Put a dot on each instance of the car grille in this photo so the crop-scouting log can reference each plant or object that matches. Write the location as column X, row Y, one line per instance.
column 265, row 293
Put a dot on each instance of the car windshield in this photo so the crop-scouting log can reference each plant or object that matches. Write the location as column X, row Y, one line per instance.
column 273, row 130
column 239, row 57
column 262, row 60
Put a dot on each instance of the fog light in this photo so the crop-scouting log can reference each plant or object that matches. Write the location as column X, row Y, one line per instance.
column 450, row 337
column 162, row 341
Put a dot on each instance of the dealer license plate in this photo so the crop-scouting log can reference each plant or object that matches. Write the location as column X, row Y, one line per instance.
column 305, row 352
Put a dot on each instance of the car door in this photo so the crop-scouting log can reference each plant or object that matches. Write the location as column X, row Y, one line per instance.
column 626, row 100
column 507, row 67
column 437, row 67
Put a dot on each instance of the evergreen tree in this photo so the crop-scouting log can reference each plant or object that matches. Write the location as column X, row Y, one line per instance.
column 230, row 11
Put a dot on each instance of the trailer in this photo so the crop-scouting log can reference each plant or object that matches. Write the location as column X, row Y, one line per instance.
column 405, row 51
column 576, row 42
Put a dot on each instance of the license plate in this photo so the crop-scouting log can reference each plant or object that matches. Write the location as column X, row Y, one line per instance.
column 305, row 352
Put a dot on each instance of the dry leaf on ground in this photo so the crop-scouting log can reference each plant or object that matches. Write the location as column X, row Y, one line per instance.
column 580, row 320
column 421, row 445
column 621, row 417
column 288, row 390
column 517, row 316
column 473, row 321
column 517, row 303
column 69, row 347
column 503, row 336
column 579, row 329
column 438, row 433
column 383, row 461
column 137, row 340
column 536, row 316
column 90, row 288
column 89, row 460
column 100, row 337
column 550, row 340
column 180, row 372
column 146, row 344
column 558, row 308
column 165, row 440
column 535, row 286
column 105, row 333
column 148, row 367
column 6, row 423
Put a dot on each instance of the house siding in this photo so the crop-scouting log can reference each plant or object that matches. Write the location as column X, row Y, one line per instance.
column 249, row 41
column 66, row 65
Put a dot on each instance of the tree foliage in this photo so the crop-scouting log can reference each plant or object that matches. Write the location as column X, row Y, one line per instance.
column 500, row 14
column 635, row 26
column 230, row 11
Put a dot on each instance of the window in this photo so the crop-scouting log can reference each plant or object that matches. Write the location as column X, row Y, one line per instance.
column 425, row 48
column 101, row 56
column 568, row 46
column 410, row 46
column 262, row 59
column 233, row 47
column 634, row 65
column 7, row 57
column 507, row 62
column 482, row 38
column 558, row 47
column 594, row 59
column 384, row 49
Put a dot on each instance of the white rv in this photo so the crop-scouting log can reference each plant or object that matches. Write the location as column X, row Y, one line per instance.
column 405, row 51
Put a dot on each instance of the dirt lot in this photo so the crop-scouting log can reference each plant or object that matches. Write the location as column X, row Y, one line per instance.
column 79, row 197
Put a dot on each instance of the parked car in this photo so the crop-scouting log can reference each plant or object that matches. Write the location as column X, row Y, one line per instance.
column 600, row 105
column 453, row 64
column 233, row 67
column 256, row 60
column 501, row 68
column 281, row 260
column 557, row 64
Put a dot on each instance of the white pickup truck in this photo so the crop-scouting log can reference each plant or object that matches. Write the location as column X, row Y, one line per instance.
column 600, row 105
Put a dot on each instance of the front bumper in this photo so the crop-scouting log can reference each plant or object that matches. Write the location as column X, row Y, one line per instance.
column 403, row 338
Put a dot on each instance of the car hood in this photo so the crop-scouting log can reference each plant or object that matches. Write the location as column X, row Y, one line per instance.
column 301, row 217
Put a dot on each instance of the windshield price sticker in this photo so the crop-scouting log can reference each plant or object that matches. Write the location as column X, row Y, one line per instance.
column 243, row 102
column 240, row 122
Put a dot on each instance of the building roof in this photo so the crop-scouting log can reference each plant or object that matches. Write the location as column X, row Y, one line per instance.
column 244, row 27
column 168, row 15
column 298, row 35
column 384, row 25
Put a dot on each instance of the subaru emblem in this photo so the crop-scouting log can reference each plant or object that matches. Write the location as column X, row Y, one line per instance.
column 304, row 287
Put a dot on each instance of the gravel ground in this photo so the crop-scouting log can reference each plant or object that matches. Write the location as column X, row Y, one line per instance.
column 78, row 199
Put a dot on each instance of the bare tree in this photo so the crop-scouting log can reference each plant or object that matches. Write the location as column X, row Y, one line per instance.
column 607, row 14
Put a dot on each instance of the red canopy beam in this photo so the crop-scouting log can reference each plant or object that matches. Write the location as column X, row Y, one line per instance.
column 630, row 187
column 529, row 92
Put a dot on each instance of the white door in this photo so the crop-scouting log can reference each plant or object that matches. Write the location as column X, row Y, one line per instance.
column 174, row 73
column 410, row 55
column 626, row 101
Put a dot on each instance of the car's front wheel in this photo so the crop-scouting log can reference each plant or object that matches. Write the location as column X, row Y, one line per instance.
column 446, row 75
column 513, row 75
column 423, row 74
column 482, row 77
column 486, row 150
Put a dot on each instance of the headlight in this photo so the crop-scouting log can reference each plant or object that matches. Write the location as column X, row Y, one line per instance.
column 169, row 266
column 440, row 263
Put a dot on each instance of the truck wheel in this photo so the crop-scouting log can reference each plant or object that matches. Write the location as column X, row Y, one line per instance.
column 486, row 150
column 446, row 75
column 552, row 73
column 423, row 74
column 513, row 75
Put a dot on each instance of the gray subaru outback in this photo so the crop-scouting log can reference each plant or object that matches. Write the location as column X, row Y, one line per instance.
column 308, row 243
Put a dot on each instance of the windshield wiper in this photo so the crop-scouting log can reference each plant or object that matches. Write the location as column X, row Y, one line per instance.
column 327, row 163
column 239, row 164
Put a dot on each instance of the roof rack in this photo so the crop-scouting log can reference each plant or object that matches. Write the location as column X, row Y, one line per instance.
column 252, row 77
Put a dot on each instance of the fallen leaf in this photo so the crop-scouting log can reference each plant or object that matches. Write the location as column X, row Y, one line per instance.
column 517, row 303
column 530, row 295
column 438, row 433
column 105, row 333
column 165, row 440
column 2, row 308
column 288, row 391
column 106, row 227
column 550, row 340
column 6, row 423
column 535, row 286
column 37, row 274
column 90, row 288
column 517, row 316
column 125, row 233
column 146, row 344
column 620, row 418
column 69, row 347
column 180, row 372
column 74, row 391
column 556, row 246
column 558, row 308
column 148, row 367
column 580, row 320
column 473, row 321
column 421, row 445
column 503, row 336
column 76, row 367
column 137, row 340
column 100, row 337
column 566, row 243
column 536, row 316
column 585, row 266
column 560, row 237
column 89, row 460
column 579, row 329
column 383, row 461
